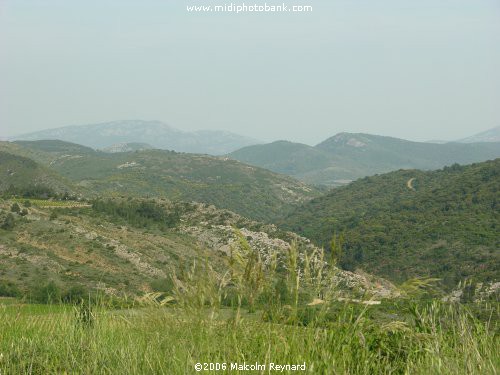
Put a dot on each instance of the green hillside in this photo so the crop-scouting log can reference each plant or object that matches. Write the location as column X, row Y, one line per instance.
column 253, row 192
column 411, row 223
column 349, row 156
column 129, row 246
column 294, row 159
column 19, row 174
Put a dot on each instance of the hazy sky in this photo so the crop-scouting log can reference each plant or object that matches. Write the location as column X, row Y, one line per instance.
column 415, row 69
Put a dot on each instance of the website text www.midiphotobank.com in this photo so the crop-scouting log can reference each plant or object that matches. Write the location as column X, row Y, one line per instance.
column 250, row 8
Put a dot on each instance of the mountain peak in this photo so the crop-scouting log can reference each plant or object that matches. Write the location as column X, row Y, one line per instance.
column 348, row 139
column 490, row 135
column 357, row 140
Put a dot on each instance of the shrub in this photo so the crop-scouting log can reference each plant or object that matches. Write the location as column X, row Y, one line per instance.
column 9, row 222
column 48, row 293
column 8, row 289
column 165, row 285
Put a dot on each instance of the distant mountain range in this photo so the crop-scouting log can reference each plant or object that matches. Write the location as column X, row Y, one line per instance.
column 156, row 134
column 347, row 156
column 333, row 162
column 491, row 135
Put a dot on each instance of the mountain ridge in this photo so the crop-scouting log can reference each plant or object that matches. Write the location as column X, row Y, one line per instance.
column 490, row 135
column 156, row 133
column 349, row 156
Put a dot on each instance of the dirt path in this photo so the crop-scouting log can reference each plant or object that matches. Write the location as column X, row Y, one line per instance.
column 409, row 183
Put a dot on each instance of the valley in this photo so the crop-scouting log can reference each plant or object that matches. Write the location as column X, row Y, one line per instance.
column 111, row 248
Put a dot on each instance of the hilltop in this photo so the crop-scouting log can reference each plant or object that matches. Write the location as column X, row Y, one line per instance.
column 412, row 223
column 250, row 191
column 155, row 133
column 347, row 156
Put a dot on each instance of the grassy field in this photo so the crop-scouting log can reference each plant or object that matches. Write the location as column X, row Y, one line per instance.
column 58, row 339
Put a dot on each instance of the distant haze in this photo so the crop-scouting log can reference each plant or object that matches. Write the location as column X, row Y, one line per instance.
column 417, row 70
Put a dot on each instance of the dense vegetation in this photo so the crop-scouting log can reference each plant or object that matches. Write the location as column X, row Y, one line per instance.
column 139, row 213
column 410, row 223
column 348, row 156
column 23, row 176
column 268, row 321
column 253, row 192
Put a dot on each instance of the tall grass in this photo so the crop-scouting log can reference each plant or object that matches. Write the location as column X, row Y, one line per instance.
column 443, row 340
column 256, row 310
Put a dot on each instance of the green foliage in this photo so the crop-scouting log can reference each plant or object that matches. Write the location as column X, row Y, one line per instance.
column 51, row 339
column 9, row 289
column 247, row 269
column 165, row 285
column 31, row 191
column 336, row 244
column 139, row 213
column 85, row 314
column 75, row 294
column 15, row 208
column 445, row 227
column 8, row 222
column 22, row 176
column 46, row 293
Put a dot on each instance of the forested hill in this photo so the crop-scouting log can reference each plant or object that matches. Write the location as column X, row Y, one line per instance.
column 349, row 156
column 411, row 223
column 249, row 191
